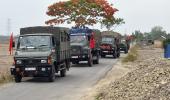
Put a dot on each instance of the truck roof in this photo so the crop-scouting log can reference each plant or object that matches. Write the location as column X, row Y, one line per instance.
column 42, row 30
column 37, row 34
column 111, row 33
column 75, row 31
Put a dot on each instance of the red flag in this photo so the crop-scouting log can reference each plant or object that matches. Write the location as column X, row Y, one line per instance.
column 92, row 41
column 11, row 44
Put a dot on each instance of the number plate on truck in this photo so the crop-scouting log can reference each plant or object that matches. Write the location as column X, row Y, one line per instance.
column 74, row 57
column 105, row 51
column 30, row 69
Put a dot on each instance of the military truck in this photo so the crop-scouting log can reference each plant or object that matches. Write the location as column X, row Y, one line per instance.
column 42, row 51
column 124, row 46
column 110, row 44
column 84, row 45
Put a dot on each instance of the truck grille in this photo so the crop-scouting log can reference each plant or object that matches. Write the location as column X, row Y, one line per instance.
column 75, row 50
column 31, row 61
column 106, row 46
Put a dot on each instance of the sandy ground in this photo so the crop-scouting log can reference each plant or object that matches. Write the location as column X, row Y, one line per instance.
column 120, row 70
column 117, row 72
column 6, row 60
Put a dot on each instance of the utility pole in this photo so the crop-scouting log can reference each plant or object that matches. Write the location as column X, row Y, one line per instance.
column 8, row 26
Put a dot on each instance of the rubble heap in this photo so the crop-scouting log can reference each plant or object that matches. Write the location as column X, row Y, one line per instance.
column 149, row 80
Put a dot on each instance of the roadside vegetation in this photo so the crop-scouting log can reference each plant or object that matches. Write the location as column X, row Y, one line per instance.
column 5, row 76
column 132, row 55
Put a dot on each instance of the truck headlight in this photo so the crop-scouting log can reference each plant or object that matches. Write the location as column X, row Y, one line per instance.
column 18, row 62
column 43, row 61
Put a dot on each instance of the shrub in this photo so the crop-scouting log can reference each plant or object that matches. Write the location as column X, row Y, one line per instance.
column 5, row 76
column 132, row 55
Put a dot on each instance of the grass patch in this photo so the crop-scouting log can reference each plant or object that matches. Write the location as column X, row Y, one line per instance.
column 132, row 55
column 99, row 96
column 5, row 76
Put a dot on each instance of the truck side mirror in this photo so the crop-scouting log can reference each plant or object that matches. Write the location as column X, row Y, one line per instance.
column 13, row 44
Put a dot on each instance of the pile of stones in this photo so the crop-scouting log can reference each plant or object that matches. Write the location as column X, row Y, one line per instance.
column 149, row 80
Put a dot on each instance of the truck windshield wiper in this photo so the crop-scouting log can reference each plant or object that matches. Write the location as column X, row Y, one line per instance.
column 42, row 46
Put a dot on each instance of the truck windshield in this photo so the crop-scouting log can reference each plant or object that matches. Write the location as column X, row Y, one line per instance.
column 107, row 40
column 33, row 42
column 78, row 39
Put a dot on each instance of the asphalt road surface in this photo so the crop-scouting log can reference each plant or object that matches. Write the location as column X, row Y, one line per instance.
column 72, row 87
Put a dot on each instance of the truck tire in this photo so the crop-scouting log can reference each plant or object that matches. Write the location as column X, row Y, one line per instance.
column 75, row 62
column 96, row 61
column 103, row 56
column 115, row 55
column 18, row 78
column 126, row 51
column 118, row 54
column 90, row 61
column 51, row 77
column 63, row 71
column 68, row 65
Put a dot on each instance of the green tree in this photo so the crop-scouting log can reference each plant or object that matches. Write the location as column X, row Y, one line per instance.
column 157, row 32
column 138, row 35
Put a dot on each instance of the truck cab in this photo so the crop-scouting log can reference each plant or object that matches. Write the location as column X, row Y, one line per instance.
column 124, row 46
column 38, row 53
column 83, row 46
column 109, row 45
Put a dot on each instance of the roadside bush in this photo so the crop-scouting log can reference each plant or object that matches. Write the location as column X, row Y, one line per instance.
column 132, row 55
column 5, row 76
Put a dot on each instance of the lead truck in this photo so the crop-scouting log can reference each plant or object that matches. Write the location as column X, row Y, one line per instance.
column 85, row 45
column 42, row 51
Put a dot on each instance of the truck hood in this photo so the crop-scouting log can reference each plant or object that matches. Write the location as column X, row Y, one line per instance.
column 32, row 54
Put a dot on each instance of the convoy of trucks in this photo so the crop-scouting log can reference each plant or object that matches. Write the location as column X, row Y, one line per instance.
column 43, row 51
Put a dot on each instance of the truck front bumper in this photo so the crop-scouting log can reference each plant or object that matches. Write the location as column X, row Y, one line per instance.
column 107, row 52
column 82, row 57
column 30, row 71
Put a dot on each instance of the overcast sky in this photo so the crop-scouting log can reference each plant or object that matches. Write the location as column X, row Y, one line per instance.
column 138, row 14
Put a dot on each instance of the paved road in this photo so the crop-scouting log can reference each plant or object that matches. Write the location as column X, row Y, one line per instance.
column 71, row 87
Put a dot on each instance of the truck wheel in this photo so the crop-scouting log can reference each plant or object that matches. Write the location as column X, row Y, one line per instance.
column 18, row 78
column 90, row 62
column 96, row 61
column 63, row 71
column 68, row 65
column 115, row 55
column 126, row 51
column 118, row 55
column 51, row 78
column 103, row 56
column 75, row 62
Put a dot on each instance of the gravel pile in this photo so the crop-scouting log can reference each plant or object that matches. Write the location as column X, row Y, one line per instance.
column 150, row 79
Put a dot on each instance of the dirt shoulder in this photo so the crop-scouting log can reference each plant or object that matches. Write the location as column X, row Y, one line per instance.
column 6, row 61
column 139, row 80
column 117, row 72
